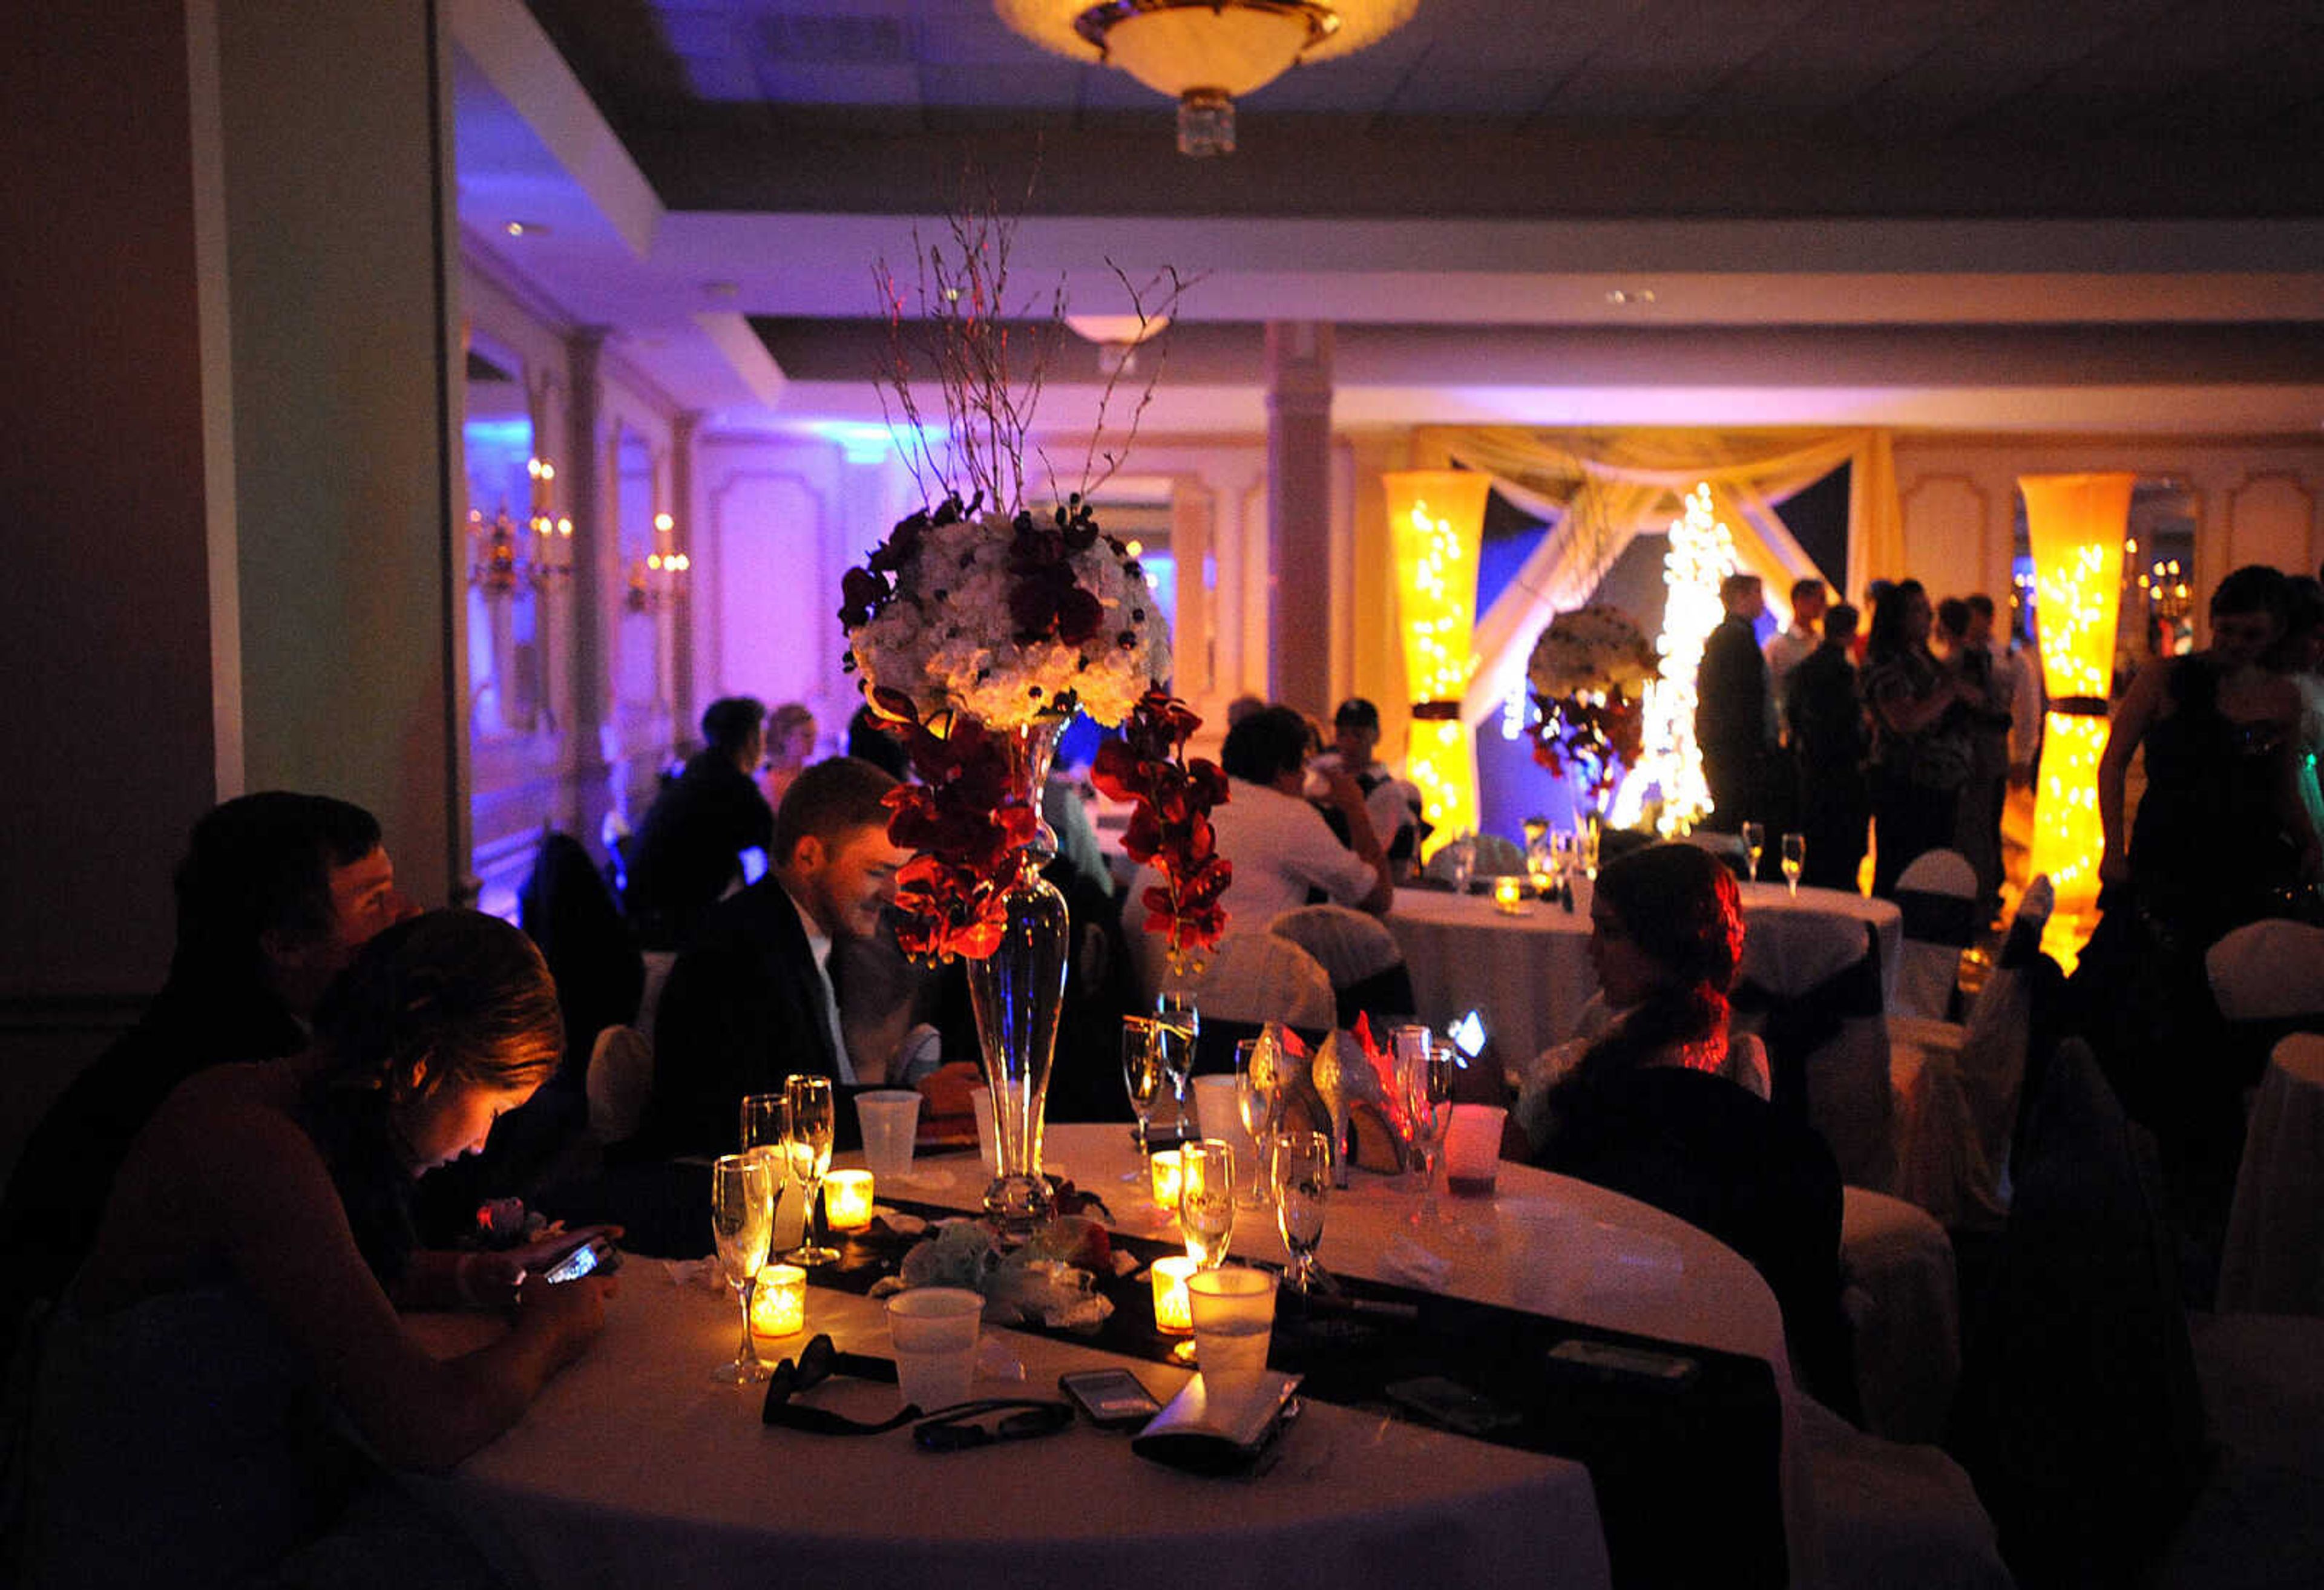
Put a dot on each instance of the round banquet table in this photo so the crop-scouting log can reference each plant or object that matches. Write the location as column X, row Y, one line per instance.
column 1527, row 976
column 2273, row 1259
column 635, row 1468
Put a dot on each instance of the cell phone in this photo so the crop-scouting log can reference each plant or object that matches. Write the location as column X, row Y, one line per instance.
column 1450, row 1404
column 1467, row 1035
column 1610, row 1360
column 1111, row 1399
column 596, row 1254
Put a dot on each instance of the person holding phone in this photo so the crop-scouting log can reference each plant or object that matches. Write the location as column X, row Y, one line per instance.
column 238, row 1318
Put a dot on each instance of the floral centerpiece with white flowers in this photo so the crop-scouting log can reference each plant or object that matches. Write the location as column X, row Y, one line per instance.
column 979, row 627
column 1589, row 674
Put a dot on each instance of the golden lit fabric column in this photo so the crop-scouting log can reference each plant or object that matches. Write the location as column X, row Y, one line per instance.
column 1436, row 518
column 2077, row 523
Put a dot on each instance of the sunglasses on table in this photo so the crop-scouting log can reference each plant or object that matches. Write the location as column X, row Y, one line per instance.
column 957, row 1428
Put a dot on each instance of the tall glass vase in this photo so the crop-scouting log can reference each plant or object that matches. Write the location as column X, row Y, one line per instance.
column 1018, row 992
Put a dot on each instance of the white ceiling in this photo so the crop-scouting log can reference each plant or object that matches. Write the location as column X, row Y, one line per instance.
column 2092, row 215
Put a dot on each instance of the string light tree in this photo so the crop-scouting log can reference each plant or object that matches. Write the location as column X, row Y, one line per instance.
column 1701, row 554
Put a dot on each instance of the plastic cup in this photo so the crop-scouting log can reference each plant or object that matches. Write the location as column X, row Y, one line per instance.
column 932, row 1329
column 987, row 1138
column 889, row 1118
column 1472, row 1149
column 1234, row 1318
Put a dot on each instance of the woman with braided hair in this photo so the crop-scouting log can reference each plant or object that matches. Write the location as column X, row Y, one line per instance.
column 1658, row 1099
column 1666, row 937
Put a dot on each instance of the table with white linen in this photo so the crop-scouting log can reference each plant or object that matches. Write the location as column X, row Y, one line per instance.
column 2274, row 1260
column 633, row 1467
column 1528, row 975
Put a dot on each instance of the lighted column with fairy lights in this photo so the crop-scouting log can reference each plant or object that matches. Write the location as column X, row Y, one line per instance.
column 1436, row 519
column 1701, row 554
column 2077, row 523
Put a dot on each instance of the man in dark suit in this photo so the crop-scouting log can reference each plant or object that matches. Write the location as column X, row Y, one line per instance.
column 687, row 849
column 1830, row 742
column 1734, row 715
column 751, row 1000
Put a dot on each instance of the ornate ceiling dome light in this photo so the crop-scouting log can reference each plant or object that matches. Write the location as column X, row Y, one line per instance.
column 1204, row 54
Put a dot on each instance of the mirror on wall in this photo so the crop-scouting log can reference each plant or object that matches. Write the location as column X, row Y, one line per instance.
column 507, row 566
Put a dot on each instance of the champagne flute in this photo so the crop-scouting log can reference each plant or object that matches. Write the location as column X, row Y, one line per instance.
column 1585, row 846
column 1428, row 1097
column 1256, row 1072
column 1795, row 861
column 808, row 1142
column 1206, row 1205
column 766, row 1120
column 1144, row 1076
column 1299, row 1167
column 743, row 1224
column 1178, row 1024
column 1754, row 841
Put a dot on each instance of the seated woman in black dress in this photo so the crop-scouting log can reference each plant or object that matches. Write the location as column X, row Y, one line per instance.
column 230, row 1370
column 1666, row 1106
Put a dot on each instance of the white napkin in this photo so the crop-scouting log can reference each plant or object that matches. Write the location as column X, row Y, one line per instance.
column 1408, row 1264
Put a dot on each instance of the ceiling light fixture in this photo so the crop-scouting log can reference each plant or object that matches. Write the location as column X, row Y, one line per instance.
column 1204, row 54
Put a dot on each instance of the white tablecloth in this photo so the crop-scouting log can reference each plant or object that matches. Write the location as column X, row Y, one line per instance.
column 634, row 1468
column 2274, row 1261
column 1527, row 976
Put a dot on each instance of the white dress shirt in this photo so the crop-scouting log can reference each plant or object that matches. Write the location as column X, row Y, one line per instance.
column 818, row 944
column 1280, row 847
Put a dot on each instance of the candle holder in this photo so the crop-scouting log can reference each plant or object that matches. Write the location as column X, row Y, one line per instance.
column 1174, row 1309
column 847, row 1199
column 1165, row 1179
column 1508, row 895
column 779, row 1303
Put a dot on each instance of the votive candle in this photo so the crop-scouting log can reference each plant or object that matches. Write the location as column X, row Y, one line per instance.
column 1508, row 894
column 1166, row 1180
column 779, row 1302
column 847, row 1199
column 1173, row 1310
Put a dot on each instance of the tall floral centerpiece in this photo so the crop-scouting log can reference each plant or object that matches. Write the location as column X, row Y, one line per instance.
column 1589, row 674
column 979, row 628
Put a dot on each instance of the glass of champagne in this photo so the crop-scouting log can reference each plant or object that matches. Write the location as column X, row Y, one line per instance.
column 1299, row 1167
column 743, row 1224
column 1206, row 1205
column 1755, row 843
column 1585, row 846
column 766, row 1121
column 808, row 1143
column 1256, row 1073
column 1795, row 861
column 1144, row 1076
column 1176, row 1026
column 1428, row 1097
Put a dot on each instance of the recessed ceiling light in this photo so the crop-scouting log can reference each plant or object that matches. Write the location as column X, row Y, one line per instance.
column 525, row 229
column 1630, row 295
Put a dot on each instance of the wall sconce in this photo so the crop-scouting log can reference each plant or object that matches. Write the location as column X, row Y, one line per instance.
column 552, row 532
column 659, row 574
column 495, row 567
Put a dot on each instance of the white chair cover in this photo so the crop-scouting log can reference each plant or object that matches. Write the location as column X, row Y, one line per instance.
column 1351, row 944
column 1930, row 968
column 1902, row 1294
column 1956, row 1085
column 1894, row 1517
column 2267, row 970
column 2273, row 1260
column 620, row 1079
column 1789, row 954
column 1256, row 976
